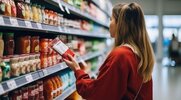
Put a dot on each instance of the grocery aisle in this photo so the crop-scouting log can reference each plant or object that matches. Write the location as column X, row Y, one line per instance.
column 167, row 82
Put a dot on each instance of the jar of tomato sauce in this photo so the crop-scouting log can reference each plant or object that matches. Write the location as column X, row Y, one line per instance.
column 44, row 45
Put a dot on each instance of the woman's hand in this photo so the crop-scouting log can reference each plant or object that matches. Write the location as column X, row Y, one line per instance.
column 72, row 63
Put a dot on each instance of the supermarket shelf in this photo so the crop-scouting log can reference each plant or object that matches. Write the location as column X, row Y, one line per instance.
column 76, row 11
column 20, row 24
column 95, row 2
column 66, row 93
column 17, row 82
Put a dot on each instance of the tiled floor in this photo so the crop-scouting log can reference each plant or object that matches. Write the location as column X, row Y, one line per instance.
column 167, row 83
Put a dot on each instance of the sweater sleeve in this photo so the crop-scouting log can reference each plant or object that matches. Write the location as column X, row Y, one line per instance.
column 111, row 82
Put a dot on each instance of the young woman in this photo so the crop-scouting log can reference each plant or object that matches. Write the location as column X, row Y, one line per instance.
column 126, row 74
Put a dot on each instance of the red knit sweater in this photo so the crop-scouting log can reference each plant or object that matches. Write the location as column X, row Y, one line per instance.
column 118, row 79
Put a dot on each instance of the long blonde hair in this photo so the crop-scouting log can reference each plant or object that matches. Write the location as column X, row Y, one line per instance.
column 131, row 30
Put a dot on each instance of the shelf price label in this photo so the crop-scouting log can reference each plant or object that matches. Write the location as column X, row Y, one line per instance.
column 60, row 29
column 14, row 21
column 28, row 24
column 29, row 78
column 11, row 84
column 45, row 72
column 1, row 89
column 60, row 5
column 1, row 20
column 39, row 26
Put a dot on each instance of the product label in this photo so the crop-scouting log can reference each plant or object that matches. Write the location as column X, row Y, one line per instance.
column 28, row 24
column 29, row 78
column 11, row 84
column 14, row 21
column 1, row 89
column 39, row 26
column 60, row 47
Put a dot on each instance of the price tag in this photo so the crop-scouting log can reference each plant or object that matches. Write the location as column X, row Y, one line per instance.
column 29, row 78
column 60, row 5
column 67, row 10
column 60, row 29
column 45, row 72
column 28, row 24
column 39, row 26
column 14, row 21
column 11, row 84
column 1, row 20
column 1, row 89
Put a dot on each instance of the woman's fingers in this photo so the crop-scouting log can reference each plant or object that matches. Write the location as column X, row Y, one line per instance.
column 67, row 61
column 71, row 58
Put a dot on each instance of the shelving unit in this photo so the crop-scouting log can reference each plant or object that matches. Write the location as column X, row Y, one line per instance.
column 31, row 77
column 76, row 11
column 20, row 24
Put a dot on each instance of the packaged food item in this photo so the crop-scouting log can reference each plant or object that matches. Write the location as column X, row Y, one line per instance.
column 35, row 13
column 1, row 44
column 13, row 8
column 40, row 85
column 7, row 8
column 31, row 14
column 46, row 16
column 50, row 17
column 44, row 60
column 32, row 63
column 5, row 66
column 59, row 84
column 43, row 14
column 24, row 93
column 2, row 7
column 61, row 48
column 31, row 92
column 55, row 87
column 37, row 59
column 35, row 44
column 39, row 14
column 16, row 95
column 36, row 92
column 20, row 6
column 44, row 45
column 27, row 11
column 23, row 59
column 48, row 89
column 9, row 42
column 23, row 45
column 15, row 66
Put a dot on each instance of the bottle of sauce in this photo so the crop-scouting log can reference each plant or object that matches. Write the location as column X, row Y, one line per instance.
column 44, row 60
column 27, row 11
column 7, row 8
column 13, row 8
column 9, row 42
column 1, row 44
column 20, row 9
column 40, row 14
column 44, row 44
column 23, row 45
column 35, row 44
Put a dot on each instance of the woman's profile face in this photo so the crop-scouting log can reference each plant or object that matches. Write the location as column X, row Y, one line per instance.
column 112, row 27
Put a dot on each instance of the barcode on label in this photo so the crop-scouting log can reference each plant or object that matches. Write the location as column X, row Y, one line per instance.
column 29, row 78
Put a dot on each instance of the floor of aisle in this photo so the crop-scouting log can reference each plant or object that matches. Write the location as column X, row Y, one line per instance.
column 166, row 83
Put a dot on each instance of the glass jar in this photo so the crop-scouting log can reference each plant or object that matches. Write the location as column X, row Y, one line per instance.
column 50, row 17
column 2, row 7
column 39, row 13
column 9, row 42
column 43, row 15
column 44, row 60
column 37, row 59
column 36, row 92
column 13, row 8
column 31, row 93
column 27, row 11
column 35, row 44
column 44, row 45
column 35, row 12
column 22, row 64
column 7, row 8
column 40, row 86
column 46, row 16
column 23, row 45
column 1, row 44
column 5, row 66
column 50, row 50
column 24, row 93
column 50, row 62
column 33, row 63
column 30, row 9
column 20, row 6
column 15, row 67
column 55, row 19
